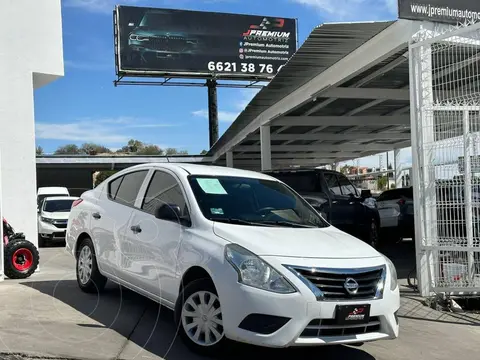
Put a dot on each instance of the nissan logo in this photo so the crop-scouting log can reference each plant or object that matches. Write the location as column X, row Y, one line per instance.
column 351, row 286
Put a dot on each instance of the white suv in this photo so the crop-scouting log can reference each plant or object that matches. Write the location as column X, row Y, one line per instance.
column 236, row 254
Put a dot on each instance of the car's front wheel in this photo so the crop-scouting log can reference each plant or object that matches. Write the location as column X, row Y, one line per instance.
column 89, row 278
column 198, row 315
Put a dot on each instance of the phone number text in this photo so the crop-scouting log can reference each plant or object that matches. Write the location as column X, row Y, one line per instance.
column 240, row 67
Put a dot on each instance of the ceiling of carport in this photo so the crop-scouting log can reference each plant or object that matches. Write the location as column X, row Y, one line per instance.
column 319, row 132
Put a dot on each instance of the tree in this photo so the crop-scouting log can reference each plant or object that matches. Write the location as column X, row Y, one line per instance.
column 149, row 150
column 94, row 149
column 101, row 176
column 204, row 152
column 173, row 151
column 382, row 182
column 69, row 149
column 39, row 150
column 135, row 146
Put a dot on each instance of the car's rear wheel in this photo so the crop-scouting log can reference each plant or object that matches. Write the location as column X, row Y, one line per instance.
column 198, row 314
column 89, row 278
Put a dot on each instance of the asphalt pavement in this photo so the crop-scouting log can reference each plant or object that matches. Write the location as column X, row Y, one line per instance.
column 47, row 316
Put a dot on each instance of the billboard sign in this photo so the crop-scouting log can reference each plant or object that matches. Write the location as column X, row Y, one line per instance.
column 180, row 43
column 445, row 11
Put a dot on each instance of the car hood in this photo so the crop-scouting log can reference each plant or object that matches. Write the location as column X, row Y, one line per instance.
column 328, row 242
column 56, row 215
column 144, row 31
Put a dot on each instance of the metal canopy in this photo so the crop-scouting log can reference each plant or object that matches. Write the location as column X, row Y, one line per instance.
column 343, row 95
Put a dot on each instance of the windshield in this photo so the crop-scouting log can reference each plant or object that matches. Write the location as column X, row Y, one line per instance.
column 58, row 205
column 252, row 202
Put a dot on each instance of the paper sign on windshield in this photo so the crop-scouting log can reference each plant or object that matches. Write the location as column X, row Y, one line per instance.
column 211, row 186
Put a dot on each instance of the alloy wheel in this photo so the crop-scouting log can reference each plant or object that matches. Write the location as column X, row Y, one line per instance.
column 202, row 318
column 85, row 263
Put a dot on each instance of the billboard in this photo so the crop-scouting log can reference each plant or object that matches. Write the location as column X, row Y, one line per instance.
column 445, row 11
column 180, row 43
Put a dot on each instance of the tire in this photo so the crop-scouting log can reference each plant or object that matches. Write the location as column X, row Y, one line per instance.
column 372, row 238
column 89, row 278
column 194, row 291
column 41, row 241
column 21, row 259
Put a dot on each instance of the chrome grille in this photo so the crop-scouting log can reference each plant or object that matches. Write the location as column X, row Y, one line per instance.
column 164, row 43
column 61, row 224
column 331, row 282
column 327, row 327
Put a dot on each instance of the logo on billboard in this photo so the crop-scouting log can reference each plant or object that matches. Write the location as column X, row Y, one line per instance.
column 268, row 29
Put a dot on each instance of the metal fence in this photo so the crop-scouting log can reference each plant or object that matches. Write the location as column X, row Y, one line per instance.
column 445, row 115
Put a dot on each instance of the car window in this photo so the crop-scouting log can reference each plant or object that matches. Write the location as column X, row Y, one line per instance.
column 346, row 186
column 396, row 194
column 163, row 189
column 332, row 183
column 302, row 182
column 128, row 190
column 254, row 201
column 62, row 205
column 113, row 187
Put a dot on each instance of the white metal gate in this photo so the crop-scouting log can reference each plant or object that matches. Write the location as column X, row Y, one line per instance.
column 445, row 119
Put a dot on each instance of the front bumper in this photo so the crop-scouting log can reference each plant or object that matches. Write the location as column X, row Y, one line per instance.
column 304, row 313
column 51, row 232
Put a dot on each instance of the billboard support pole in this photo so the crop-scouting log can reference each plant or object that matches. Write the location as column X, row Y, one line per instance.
column 212, row 111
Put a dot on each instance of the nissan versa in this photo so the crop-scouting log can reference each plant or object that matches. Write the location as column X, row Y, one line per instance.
column 236, row 254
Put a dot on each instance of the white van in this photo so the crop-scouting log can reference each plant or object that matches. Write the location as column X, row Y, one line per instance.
column 50, row 191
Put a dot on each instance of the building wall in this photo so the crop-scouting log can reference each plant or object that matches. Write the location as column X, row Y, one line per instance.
column 31, row 55
column 77, row 181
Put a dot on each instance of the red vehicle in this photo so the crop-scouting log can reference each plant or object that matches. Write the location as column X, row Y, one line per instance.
column 20, row 255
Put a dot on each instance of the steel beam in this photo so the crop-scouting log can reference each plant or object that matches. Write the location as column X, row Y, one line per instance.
column 338, row 137
column 328, row 147
column 367, row 93
column 265, row 148
column 341, row 120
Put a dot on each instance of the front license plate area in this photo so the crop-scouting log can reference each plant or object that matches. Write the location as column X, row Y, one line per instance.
column 352, row 314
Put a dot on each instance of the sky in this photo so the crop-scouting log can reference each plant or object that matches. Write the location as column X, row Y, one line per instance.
column 84, row 106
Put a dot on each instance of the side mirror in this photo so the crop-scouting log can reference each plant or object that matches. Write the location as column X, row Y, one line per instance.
column 365, row 194
column 171, row 212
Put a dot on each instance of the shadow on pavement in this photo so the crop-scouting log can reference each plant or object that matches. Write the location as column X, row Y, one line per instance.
column 151, row 327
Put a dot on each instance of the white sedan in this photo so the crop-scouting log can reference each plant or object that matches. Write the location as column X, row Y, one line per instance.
column 236, row 254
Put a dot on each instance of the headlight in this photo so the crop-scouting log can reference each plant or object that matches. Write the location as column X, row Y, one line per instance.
column 393, row 274
column 135, row 37
column 47, row 220
column 255, row 272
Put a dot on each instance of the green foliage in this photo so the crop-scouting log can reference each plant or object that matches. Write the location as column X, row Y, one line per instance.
column 69, row 149
column 133, row 147
column 39, row 150
column 102, row 176
column 382, row 183
column 204, row 152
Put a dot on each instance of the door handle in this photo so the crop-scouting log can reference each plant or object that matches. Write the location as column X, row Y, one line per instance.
column 136, row 229
column 334, row 201
column 351, row 202
column 96, row 215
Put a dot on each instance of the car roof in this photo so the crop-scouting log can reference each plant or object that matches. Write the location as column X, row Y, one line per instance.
column 207, row 170
column 48, row 198
column 51, row 190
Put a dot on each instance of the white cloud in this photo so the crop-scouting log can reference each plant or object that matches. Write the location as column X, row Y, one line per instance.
column 223, row 116
column 104, row 131
column 352, row 9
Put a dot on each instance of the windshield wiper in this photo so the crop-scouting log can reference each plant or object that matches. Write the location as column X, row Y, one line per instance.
column 287, row 224
column 239, row 221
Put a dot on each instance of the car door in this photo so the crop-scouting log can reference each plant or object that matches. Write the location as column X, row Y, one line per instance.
column 157, row 241
column 389, row 208
column 342, row 208
column 111, row 216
